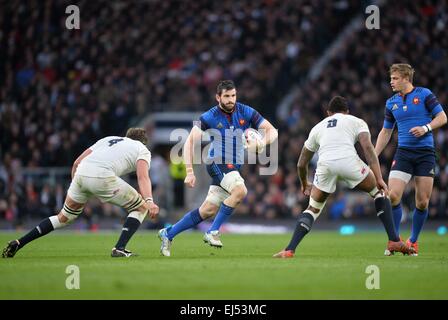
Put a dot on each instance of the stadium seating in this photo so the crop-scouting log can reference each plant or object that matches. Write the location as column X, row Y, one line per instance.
column 60, row 90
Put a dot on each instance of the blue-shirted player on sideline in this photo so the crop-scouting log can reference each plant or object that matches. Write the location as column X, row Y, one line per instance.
column 225, row 158
column 416, row 112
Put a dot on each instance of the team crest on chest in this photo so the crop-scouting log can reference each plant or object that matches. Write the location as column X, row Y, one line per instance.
column 416, row 100
column 242, row 122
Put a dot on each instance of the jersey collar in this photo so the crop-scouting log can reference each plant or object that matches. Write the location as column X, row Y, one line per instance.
column 225, row 112
column 405, row 95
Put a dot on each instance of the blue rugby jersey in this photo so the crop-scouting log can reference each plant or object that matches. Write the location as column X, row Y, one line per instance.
column 416, row 108
column 229, row 128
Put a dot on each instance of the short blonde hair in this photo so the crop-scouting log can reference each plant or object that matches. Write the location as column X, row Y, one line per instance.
column 138, row 134
column 405, row 70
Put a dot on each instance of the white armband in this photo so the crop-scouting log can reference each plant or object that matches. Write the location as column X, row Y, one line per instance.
column 427, row 128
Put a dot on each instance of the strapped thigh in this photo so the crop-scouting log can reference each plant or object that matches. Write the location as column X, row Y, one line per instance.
column 401, row 175
column 216, row 195
column 231, row 180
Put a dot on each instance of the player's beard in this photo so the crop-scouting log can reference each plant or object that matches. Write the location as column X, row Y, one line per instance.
column 228, row 107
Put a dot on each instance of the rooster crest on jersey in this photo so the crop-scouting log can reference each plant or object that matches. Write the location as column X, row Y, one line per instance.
column 253, row 140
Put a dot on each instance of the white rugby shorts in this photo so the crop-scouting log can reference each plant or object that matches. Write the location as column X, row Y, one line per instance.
column 350, row 170
column 113, row 190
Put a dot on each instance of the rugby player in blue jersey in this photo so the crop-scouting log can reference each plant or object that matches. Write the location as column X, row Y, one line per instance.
column 416, row 112
column 225, row 122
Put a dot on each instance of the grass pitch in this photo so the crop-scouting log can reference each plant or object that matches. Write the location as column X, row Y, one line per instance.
column 327, row 266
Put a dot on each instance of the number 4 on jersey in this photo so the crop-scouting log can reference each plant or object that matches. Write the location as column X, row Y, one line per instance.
column 114, row 141
column 332, row 123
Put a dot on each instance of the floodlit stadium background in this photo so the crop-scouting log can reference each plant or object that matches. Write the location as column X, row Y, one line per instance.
column 157, row 63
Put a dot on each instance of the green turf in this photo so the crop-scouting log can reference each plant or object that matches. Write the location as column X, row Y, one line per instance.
column 327, row 266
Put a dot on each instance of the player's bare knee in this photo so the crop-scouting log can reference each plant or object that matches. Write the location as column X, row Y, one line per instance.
column 207, row 210
column 205, row 214
column 62, row 218
column 422, row 204
column 394, row 198
column 72, row 204
column 239, row 193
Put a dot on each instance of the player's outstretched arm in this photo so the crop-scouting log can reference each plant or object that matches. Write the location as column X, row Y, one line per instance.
column 302, row 169
column 193, row 138
column 79, row 159
column 270, row 133
column 145, row 187
column 383, row 140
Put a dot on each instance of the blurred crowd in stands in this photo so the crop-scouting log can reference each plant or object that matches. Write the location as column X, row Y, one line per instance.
column 61, row 90
column 417, row 34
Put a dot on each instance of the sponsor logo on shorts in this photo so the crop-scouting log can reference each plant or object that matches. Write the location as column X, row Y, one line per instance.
column 363, row 170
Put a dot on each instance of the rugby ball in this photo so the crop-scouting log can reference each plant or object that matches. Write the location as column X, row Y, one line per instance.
column 253, row 140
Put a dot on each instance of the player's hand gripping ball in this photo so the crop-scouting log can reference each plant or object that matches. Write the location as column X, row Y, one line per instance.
column 253, row 141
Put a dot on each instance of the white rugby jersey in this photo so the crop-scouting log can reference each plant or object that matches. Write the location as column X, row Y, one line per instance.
column 335, row 137
column 113, row 156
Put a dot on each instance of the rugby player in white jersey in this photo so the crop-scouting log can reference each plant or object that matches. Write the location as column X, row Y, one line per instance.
column 96, row 173
column 334, row 139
